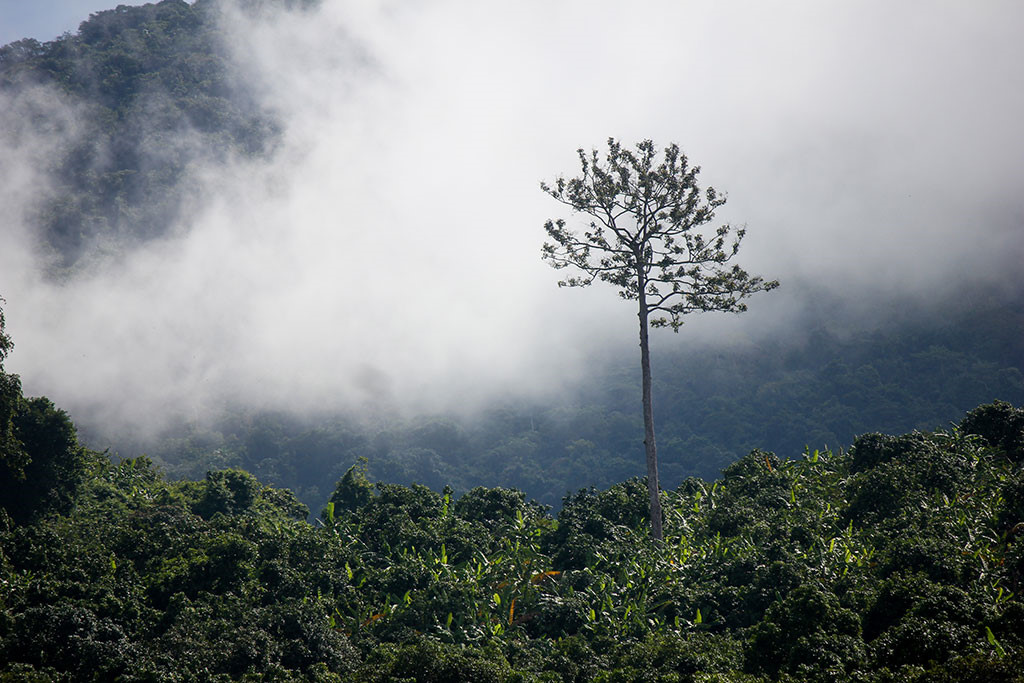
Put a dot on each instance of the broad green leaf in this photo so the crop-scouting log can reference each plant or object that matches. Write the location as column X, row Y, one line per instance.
column 994, row 643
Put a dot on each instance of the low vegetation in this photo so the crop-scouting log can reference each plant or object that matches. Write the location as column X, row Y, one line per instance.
column 898, row 560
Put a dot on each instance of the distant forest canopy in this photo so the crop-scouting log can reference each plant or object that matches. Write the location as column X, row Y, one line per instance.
column 715, row 404
column 154, row 90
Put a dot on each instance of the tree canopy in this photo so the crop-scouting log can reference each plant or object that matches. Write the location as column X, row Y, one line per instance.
column 648, row 234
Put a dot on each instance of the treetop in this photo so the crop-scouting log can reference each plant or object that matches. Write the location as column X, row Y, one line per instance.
column 649, row 233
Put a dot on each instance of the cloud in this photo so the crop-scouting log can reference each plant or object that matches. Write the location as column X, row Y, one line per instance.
column 388, row 255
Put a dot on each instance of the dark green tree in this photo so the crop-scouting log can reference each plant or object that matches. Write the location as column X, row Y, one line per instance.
column 12, row 455
column 55, row 466
column 649, row 235
column 353, row 491
column 41, row 462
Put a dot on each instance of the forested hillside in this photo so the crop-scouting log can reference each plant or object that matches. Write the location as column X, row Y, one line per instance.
column 147, row 92
column 897, row 560
column 714, row 406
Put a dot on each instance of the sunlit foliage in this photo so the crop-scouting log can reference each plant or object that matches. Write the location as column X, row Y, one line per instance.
column 898, row 560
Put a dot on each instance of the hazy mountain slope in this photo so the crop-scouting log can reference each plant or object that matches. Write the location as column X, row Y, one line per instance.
column 152, row 91
column 141, row 96
column 713, row 406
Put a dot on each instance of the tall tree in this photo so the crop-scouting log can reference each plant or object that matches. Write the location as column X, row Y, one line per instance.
column 649, row 235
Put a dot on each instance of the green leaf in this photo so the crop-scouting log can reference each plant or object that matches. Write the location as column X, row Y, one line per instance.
column 1000, row 652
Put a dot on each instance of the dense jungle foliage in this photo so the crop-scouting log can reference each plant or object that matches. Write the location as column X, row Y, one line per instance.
column 898, row 560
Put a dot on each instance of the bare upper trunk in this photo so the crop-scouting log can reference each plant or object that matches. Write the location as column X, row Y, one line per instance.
column 650, row 446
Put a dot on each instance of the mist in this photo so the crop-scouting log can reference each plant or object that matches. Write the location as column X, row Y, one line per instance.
column 387, row 255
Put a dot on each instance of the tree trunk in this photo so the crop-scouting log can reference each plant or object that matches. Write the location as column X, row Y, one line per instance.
column 650, row 446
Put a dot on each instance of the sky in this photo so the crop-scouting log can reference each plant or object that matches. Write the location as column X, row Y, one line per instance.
column 45, row 20
column 389, row 255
